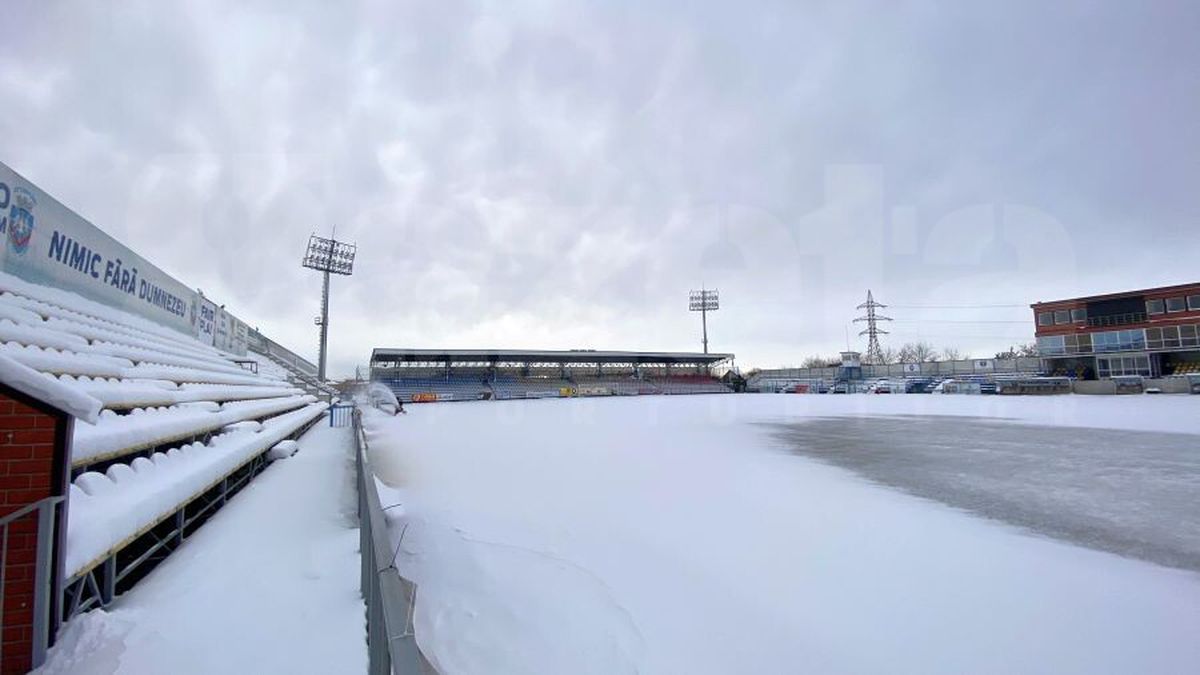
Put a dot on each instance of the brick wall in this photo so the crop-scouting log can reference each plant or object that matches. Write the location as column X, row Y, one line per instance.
column 27, row 474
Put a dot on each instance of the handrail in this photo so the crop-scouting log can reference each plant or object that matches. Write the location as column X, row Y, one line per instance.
column 390, row 598
column 27, row 509
column 43, row 576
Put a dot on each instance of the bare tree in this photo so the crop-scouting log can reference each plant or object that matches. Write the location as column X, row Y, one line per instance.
column 821, row 362
column 953, row 354
column 887, row 356
column 917, row 352
column 1026, row 350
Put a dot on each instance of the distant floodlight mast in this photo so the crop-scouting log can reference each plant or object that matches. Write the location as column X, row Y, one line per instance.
column 704, row 301
column 327, row 256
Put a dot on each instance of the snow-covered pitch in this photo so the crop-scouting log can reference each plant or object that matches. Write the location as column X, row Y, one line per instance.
column 685, row 535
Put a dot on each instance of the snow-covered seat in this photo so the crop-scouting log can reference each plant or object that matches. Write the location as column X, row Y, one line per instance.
column 117, row 435
column 156, row 388
column 110, row 510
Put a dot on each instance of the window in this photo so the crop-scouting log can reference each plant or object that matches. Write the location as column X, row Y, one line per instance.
column 1187, row 336
column 1117, row 366
column 1154, row 306
column 1078, row 344
column 1175, row 305
column 1070, row 344
column 1170, row 336
column 1119, row 340
column 1080, row 315
column 1062, row 316
column 1194, row 302
column 1105, row 342
column 1046, row 319
column 1052, row 345
column 1154, row 338
column 1085, row 343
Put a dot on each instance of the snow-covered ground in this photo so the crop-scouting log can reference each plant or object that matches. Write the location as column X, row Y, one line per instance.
column 682, row 535
column 268, row 585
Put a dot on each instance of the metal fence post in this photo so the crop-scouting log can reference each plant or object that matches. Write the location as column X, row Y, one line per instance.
column 42, row 581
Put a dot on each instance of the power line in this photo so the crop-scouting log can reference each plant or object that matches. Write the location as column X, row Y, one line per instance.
column 1023, row 321
column 957, row 306
column 962, row 336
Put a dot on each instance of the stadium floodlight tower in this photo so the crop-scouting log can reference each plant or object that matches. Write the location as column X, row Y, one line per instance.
column 328, row 256
column 704, row 301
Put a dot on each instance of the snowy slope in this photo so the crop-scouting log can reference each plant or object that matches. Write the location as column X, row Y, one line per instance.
column 673, row 535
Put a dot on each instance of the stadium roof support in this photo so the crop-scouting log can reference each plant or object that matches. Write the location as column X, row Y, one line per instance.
column 382, row 356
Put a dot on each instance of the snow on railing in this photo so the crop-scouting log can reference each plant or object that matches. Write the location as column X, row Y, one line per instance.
column 115, row 435
column 107, row 510
column 390, row 598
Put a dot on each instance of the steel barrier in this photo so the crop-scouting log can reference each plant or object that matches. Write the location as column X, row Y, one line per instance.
column 41, row 516
column 390, row 598
column 340, row 414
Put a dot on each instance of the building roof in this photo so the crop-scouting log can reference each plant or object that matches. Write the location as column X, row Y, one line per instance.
column 1177, row 288
column 380, row 354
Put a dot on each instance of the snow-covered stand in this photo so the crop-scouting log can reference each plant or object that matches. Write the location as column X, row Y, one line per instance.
column 109, row 510
column 182, row 426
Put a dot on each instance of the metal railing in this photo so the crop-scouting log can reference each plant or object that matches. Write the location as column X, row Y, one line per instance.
column 340, row 414
column 1125, row 319
column 42, row 514
column 390, row 598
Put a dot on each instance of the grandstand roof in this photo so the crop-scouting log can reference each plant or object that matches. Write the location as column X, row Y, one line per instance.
column 385, row 355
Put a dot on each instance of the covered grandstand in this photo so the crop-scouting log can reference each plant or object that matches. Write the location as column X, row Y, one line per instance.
column 429, row 375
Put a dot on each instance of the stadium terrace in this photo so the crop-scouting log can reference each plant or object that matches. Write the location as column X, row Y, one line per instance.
column 429, row 375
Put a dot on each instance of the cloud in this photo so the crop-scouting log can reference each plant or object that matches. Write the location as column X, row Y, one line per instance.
column 535, row 175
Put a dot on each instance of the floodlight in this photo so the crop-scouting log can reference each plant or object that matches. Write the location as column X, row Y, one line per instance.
column 328, row 256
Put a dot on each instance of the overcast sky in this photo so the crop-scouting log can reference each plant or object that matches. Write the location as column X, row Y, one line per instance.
column 537, row 175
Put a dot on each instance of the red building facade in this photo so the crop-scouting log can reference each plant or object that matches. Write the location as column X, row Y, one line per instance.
column 1153, row 332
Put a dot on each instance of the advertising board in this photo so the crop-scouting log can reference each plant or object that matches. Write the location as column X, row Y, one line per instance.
column 44, row 242
column 48, row 244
